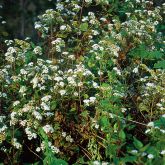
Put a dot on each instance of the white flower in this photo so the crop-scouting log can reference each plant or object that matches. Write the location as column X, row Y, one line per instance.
column 150, row 124
column 64, row 134
column 30, row 134
column 38, row 149
column 135, row 70
column 58, row 79
column 59, row 6
column 148, row 130
column 23, row 122
column 162, row 130
column 23, row 89
column 96, row 162
column 46, row 98
column 55, row 149
column 63, row 27
column 69, row 139
column 123, row 110
column 111, row 115
column 75, row 93
column 72, row 57
column 159, row 104
column 45, row 106
column 37, row 25
column 86, row 102
column 61, row 84
column 134, row 151
column 100, row 73
column 96, row 126
column 105, row 163
column 144, row 154
column 150, row 156
column 88, row 1
column 11, row 50
column 87, row 73
column 16, row 144
column 117, row 70
column 37, row 115
column 48, row 128
column 92, row 99
column 34, row 81
column 163, row 115
column 16, row 103
column 48, row 114
column 103, row 19
column 162, row 152
column 62, row 92
column 57, row 41
column 150, row 84
column 95, row 85
column 128, row 14
column 95, row 47
column 38, row 50
column 85, row 19
column 23, row 71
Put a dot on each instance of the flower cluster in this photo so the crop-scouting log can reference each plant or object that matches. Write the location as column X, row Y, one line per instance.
column 95, row 83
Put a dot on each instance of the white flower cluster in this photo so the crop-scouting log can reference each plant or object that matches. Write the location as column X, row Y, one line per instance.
column 10, row 54
column 59, row 43
column 89, row 101
column 67, row 137
column 16, row 144
column 153, row 127
column 37, row 50
column 48, row 128
column 30, row 134
column 3, row 126
column 52, row 147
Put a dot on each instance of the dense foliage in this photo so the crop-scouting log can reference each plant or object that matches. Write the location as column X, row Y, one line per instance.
column 91, row 91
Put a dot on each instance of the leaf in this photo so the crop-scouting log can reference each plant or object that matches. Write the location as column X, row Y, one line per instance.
column 129, row 159
column 143, row 53
column 61, row 162
column 160, row 122
column 53, row 105
column 122, row 134
column 104, row 121
column 138, row 144
column 160, row 65
column 52, row 160
column 84, row 27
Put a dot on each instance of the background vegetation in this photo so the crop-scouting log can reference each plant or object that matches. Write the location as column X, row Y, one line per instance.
column 87, row 87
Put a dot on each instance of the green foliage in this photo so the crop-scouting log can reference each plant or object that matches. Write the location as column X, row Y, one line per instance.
column 91, row 91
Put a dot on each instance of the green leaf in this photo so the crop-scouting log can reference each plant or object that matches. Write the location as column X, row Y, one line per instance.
column 129, row 159
column 60, row 162
column 84, row 27
column 52, row 160
column 160, row 65
column 160, row 122
column 122, row 134
column 143, row 53
column 53, row 105
column 104, row 121
column 138, row 144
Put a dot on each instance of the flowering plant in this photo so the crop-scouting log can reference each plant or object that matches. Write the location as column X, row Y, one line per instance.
column 92, row 91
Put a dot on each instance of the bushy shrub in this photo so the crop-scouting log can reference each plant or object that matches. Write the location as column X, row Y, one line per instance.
column 91, row 92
